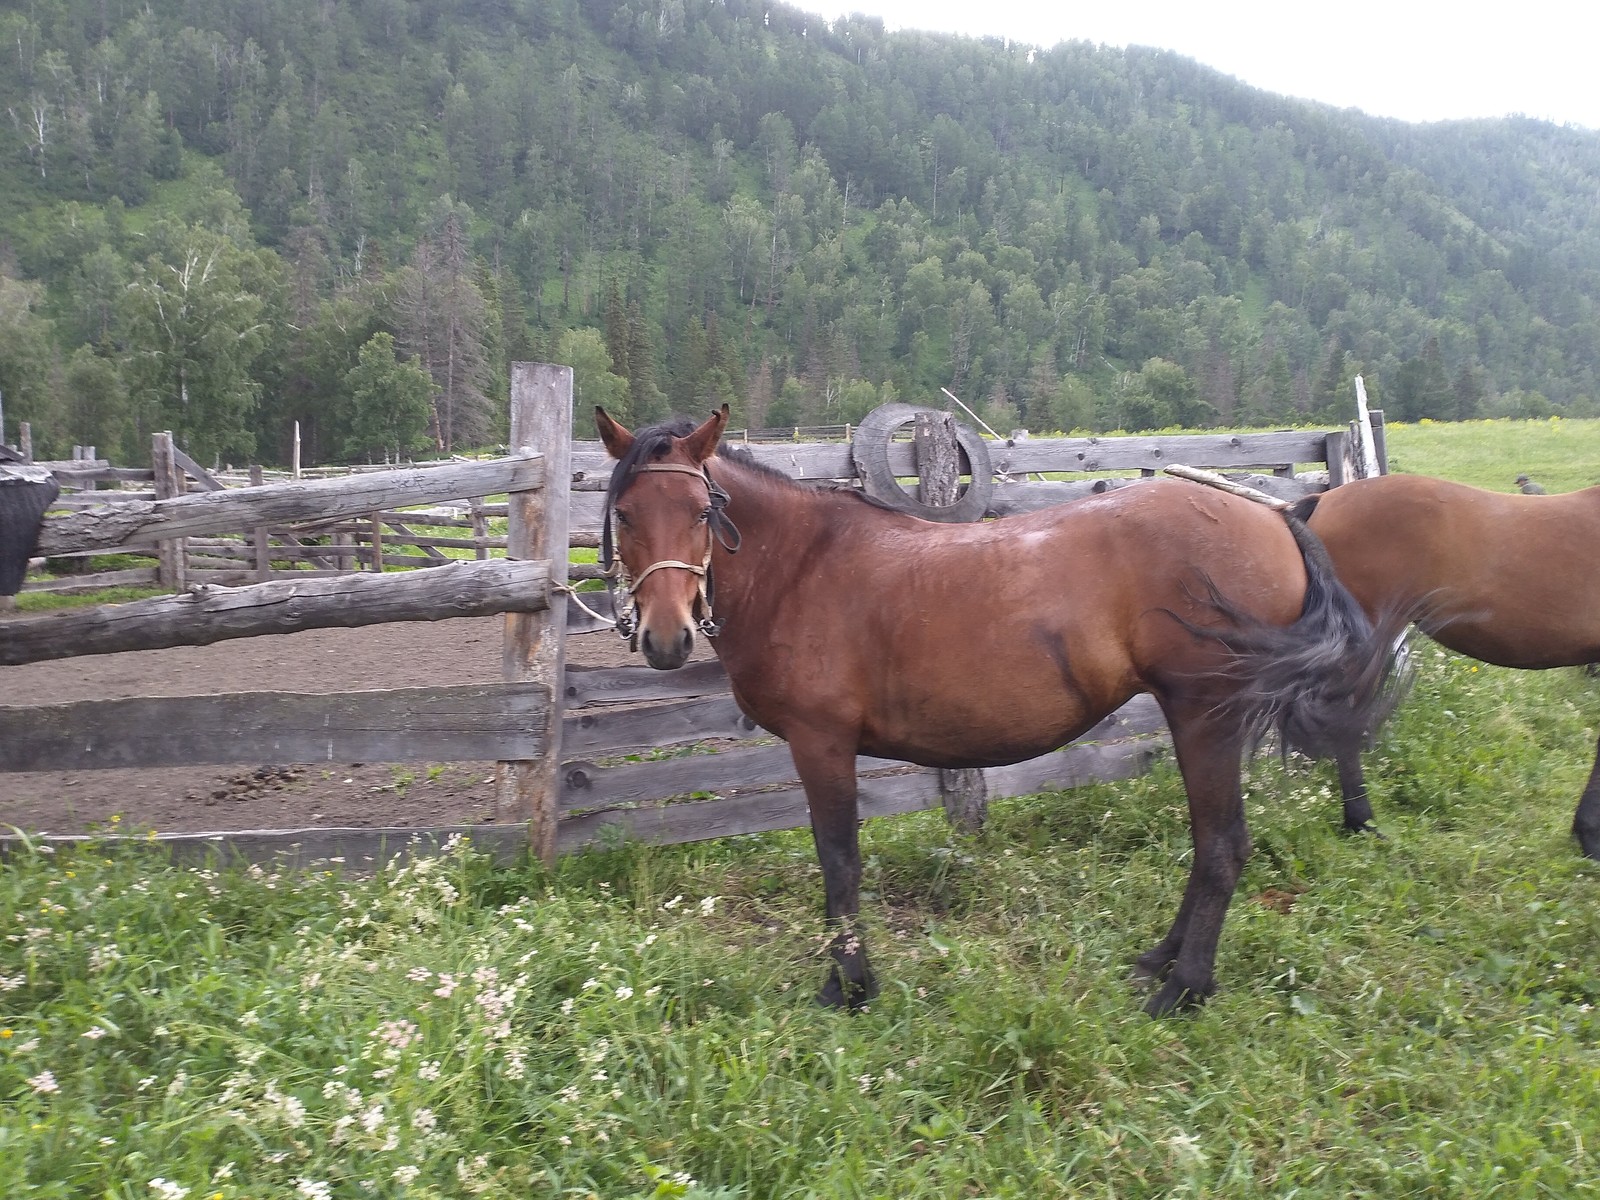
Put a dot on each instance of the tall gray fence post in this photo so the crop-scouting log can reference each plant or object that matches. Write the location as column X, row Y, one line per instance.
column 964, row 792
column 172, row 574
column 535, row 643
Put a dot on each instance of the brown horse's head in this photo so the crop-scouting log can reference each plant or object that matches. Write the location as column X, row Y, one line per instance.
column 666, row 508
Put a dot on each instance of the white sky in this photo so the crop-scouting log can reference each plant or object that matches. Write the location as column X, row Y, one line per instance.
column 1418, row 60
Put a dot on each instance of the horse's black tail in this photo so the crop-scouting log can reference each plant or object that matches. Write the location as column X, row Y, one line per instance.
column 1325, row 681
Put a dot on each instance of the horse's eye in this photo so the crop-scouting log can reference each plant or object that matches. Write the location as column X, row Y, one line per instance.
column 622, row 519
column 705, row 514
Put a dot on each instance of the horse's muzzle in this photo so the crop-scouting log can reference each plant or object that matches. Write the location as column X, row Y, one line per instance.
column 666, row 652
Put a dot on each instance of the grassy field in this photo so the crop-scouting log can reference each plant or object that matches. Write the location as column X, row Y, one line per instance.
column 1562, row 455
column 1411, row 1016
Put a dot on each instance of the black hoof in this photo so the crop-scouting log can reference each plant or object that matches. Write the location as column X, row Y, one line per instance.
column 1150, row 968
column 853, row 996
column 1173, row 999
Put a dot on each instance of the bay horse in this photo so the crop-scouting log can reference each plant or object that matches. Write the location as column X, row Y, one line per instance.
column 848, row 628
column 1512, row 580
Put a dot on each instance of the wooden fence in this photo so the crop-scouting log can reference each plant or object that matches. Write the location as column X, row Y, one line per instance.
column 566, row 739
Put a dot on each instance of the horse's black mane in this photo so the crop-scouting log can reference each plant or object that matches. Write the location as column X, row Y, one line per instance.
column 653, row 442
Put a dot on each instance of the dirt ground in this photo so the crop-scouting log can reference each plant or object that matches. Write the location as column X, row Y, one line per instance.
column 270, row 796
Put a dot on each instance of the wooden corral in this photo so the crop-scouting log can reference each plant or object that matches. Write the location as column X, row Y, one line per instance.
column 586, row 754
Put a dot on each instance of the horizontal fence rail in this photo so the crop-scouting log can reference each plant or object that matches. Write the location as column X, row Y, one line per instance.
column 115, row 525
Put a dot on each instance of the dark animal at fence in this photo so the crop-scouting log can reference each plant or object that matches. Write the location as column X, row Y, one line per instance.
column 1509, row 579
column 848, row 628
column 25, row 493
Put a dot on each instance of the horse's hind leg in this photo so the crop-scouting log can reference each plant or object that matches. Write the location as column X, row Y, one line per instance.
column 829, row 776
column 1586, row 821
column 1185, row 960
column 1353, row 787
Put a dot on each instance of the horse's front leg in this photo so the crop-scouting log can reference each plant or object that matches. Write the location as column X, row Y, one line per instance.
column 827, row 768
column 1185, row 960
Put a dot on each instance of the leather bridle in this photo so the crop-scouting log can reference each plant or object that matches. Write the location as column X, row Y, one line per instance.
column 719, row 529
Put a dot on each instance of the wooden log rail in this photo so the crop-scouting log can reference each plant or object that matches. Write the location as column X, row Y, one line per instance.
column 1236, row 451
column 205, row 614
column 115, row 524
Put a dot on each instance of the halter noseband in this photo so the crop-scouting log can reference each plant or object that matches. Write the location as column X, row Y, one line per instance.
column 718, row 529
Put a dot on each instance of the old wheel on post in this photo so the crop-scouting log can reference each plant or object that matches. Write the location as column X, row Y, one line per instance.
column 870, row 450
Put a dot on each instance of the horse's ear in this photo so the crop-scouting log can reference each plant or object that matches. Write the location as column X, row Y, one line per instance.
column 618, row 441
column 702, row 443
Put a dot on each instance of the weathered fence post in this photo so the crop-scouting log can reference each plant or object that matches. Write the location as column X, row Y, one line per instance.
column 535, row 643
column 480, row 528
column 171, row 573
column 258, row 534
column 938, row 458
column 377, row 541
column 938, row 455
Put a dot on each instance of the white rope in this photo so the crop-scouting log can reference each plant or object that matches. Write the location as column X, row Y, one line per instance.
column 573, row 595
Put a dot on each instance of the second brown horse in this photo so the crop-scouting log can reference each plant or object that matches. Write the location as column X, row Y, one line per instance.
column 848, row 628
column 1509, row 579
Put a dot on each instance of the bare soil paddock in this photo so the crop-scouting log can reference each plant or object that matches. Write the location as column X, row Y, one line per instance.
column 266, row 795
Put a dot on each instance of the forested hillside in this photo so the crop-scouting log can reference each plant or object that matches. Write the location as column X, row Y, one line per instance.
column 223, row 216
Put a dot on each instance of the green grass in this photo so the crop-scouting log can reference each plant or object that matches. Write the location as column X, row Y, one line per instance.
column 1561, row 454
column 1410, row 1016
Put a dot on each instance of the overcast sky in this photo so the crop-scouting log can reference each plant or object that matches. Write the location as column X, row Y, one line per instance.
column 1418, row 60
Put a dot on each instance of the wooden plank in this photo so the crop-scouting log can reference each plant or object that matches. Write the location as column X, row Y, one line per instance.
column 116, row 524
column 431, row 544
column 79, row 473
column 1153, row 452
column 464, row 723
column 800, row 460
column 586, row 511
column 72, row 584
column 818, row 461
column 600, row 685
column 601, row 734
column 909, row 791
column 527, row 787
column 742, row 769
column 581, row 621
column 1013, row 497
column 1076, row 765
column 207, row 614
column 586, row 784
column 207, row 481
